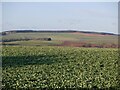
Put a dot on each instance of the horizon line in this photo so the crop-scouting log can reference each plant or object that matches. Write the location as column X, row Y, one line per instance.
column 83, row 30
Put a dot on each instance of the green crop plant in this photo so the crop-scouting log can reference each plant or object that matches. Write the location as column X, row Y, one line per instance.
column 32, row 67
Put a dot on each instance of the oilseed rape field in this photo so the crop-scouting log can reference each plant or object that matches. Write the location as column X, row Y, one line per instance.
column 34, row 67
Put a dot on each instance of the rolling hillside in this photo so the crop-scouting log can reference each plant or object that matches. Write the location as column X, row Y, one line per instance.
column 60, row 38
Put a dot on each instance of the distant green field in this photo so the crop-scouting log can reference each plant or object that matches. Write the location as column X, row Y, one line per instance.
column 35, row 43
column 33, row 67
column 59, row 38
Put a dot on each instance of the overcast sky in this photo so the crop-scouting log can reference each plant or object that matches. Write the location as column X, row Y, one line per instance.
column 90, row 16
